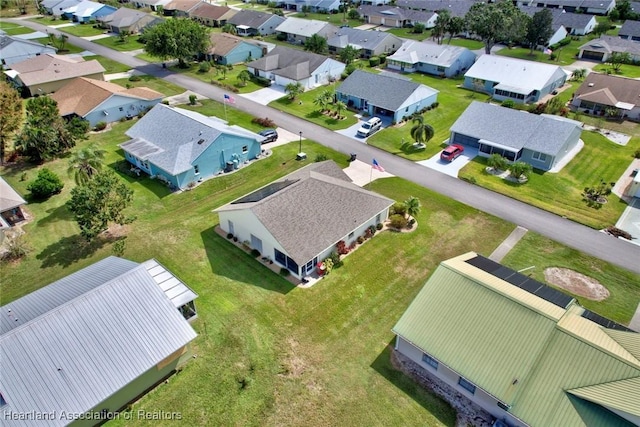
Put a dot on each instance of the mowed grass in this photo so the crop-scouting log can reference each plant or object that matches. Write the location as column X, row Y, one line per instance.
column 109, row 64
column 49, row 20
column 407, row 33
column 164, row 87
column 468, row 43
column 210, row 108
column 130, row 43
column 561, row 193
column 543, row 253
column 228, row 77
column 82, row 30
column 14, row 31
column 337, row 19
column 626, row 70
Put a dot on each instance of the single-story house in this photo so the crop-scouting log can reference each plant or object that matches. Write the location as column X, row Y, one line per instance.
column 99, row 101
column 87, row 11
column 128, row 20
column 457, row 8
column 181, row 147
column 254, row 23
column 47, row 73
column 211, row 15
column 297, row 221
column 517, row 79
column 323, row 6
column 10, row 205
column 180, row 8
column 229, row 49
column 576, row 24
column 386, row 95
column 154, row 5
column 601, row 49
column 375, row 2
column 601, row 92
column 90, row 343
column 284, row 65
column 368, row 43
column 630, row 30
column 543, row 140
column 56, row 7
column 595, row 7
column 393, row 16
column 431, row 58
column 14, row 49
column 526, row 353
column 298, row 30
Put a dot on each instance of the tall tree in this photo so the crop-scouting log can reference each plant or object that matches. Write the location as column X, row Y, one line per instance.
column 616, row 59
column 455, row 26
column 316, row 44
column 602, row 28
column 539, row 29
column 412, row 204
column 340, row 107
column 421, row 132
column 494, row 22
column 85, row 163
column 440, row 28
column 323, row 100
column 100, row 202
column 11, row 116
column 244, row 76
column 294, row 89
column 348, row 54
column 181, row 39
column 44, row 135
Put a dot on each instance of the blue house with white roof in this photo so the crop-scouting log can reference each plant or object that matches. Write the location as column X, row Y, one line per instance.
column 182, row 147
column 88, row 11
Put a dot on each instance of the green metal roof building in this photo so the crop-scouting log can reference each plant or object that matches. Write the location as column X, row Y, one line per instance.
column 526, row 353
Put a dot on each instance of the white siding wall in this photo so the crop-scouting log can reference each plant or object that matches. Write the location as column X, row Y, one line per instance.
column 480, row 397
column 245, row 224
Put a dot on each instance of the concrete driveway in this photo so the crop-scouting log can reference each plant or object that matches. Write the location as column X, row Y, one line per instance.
column 450, row 168
column 351, row 131
column 266, row 95
column 630, row 220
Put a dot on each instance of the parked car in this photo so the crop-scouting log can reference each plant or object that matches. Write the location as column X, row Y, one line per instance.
column 270, row 135
column 369, row 127
column 451, row 153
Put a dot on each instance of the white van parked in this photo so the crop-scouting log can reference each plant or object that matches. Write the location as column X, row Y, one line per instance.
column 369, row 127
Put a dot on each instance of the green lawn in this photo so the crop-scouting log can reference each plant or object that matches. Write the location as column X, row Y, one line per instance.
column 14, row 31
column 68, row 47
column 565, row 55
column 626, row 70
column 209, row 107
column 8, row 25
column 230, row 77
column 304, row 108
column 82, row 30
column 109, row 65
column 560, row 193
column 336, row 19
column 49, row 20
column 130, row 43
column 146, row 57
column 160, row 85
column 468, row 43
column 624, row 287
column 407, row 33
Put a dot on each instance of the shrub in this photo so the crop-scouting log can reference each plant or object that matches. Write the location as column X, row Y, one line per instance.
column 235, row 238
column 101, row 126
column 192, row 99
column 119, row 247
column 353, row 14
column 261, row 81
column 284, row 271
column 360, row 240
column 281, row 37
column 335, row 259
column 45, row 185
column 379, row 226
column 520, row 169
column 435, row 104
column 204, row 67
column 636, row 154
column 508, row 103
column 16, row 249
column 229, row 236
column 342, row 248
column 165, row 101
column 374, row 61
column 255, row 253
column 497, row 162
column 399, row 209
column 224, row 86
column 398, row 221
column 321, row 158
column 134, row 78
column 373, row 229
column 266, row 122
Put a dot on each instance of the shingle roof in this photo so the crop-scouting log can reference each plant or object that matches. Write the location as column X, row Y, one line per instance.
column 455, row 7
column 50, row 68
column 609, row 44
column 223, row 43
column 14, row 46
column 9, row 198
column 561, row 17
column 182, row 5
column 81, row 348
column 519, row 348
column 390, row 92
column 396, row 12
column 630, row 28
column 361, row 39
column 172, row 138
column 414, row 52
column 515, row 129
column 211, row 11
column 290, row 63
column 82, row 95
column 306, row 27
column 125, row 17
column 609, row 90
column 252, row 18
column 318, row 209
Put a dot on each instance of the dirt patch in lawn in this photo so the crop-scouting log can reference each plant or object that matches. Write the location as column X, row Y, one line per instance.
column 576, row 283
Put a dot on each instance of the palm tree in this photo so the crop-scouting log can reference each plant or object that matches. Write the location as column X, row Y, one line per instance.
column 294, row 89
column 579, row 74
column 421, row 132
column 244, row 76
column 229, row 28
column 62, row 41
column 85, row 163
column 340, row 107
column 412, row 204
column 323, row 100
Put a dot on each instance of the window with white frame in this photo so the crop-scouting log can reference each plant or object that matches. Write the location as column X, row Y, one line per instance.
column 540, row 156
column 467, row 385
column 430, row 361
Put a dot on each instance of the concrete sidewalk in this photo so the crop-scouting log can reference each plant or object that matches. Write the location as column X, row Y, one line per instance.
column 508, row 244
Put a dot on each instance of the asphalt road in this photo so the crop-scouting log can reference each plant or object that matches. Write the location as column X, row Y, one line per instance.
column 550, row 225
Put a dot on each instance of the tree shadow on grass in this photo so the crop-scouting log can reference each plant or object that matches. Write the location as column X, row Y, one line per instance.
column 60, row 213
column 228, row 260
column 69, row 250
column 123, row 169
column 432, row 403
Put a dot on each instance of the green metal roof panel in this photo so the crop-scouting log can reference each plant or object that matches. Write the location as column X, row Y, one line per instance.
column 497, row 339
column 623, row 395
column 629, row 340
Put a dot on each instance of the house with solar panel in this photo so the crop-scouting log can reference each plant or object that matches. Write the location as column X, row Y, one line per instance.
column 524, row 352
column 92, row 342
column 182, row 147
column 297, row 221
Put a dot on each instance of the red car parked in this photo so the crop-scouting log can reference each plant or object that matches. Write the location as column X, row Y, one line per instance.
column 450, row 153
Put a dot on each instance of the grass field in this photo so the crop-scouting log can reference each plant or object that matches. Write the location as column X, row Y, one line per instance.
column 146, row 57
column 130, row 43
column 8, row 26
column 468, row 43
column 82, row 30
column 14, row 31
column 68, row 47
column 49, row 20
column 336, row 19
column 209, row 107
column 230, row 77
column 109, row 65
column 407, row 33
column 561, row 193
column 626, row 70
column 160, row 85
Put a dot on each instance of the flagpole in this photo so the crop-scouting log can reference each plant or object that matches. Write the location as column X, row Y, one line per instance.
column 224, row 102
column 370, row 175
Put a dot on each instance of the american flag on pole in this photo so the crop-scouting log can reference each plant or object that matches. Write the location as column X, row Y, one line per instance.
column 377, row 166
column 229, row 99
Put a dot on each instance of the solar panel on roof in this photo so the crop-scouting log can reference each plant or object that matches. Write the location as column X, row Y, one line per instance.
column 521, row 281
column 265, row 192
column 603, row 321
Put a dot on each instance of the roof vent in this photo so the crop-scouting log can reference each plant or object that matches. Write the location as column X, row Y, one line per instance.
column 590, row 85
column 200, row 141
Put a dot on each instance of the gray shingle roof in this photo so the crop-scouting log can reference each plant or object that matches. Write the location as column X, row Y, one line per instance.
column 290, row 63
column 306, row 27
column 630, row 28
column 455, row 7
column 515, row 129
column 85, row 346
column 395, row 12
column 414, row 52
column 315, row 212
column 9, row 198
column 253, row 19
column 383, row 91
column 611, row 44
column 14, row 46
column 361, row 39
column 561, row 17
column 125, row 17
column 172, row 138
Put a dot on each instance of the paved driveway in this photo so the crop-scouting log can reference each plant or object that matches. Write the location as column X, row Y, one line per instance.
column 630, row 220
column 351, row 131
column 266, row 95
column 450, row 168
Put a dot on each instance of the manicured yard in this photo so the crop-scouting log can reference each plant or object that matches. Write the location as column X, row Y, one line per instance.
column 626, row 70
column 68, row 47
column 623, row 285
column 160, row 85
column 565, row 55
column 130, row 43
column 146, row 57
column 109, row 65
column 229, row 78
column 468, row 43
column 49, row 20
column 8, row 25
column 336, row 19
column 82, row 30
column 561, row 193
column 14, row 31
column 407, row 33
column 209, row 107
column 304, row 108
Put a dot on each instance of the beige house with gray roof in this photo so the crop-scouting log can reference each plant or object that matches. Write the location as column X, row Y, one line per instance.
column 298, row 220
